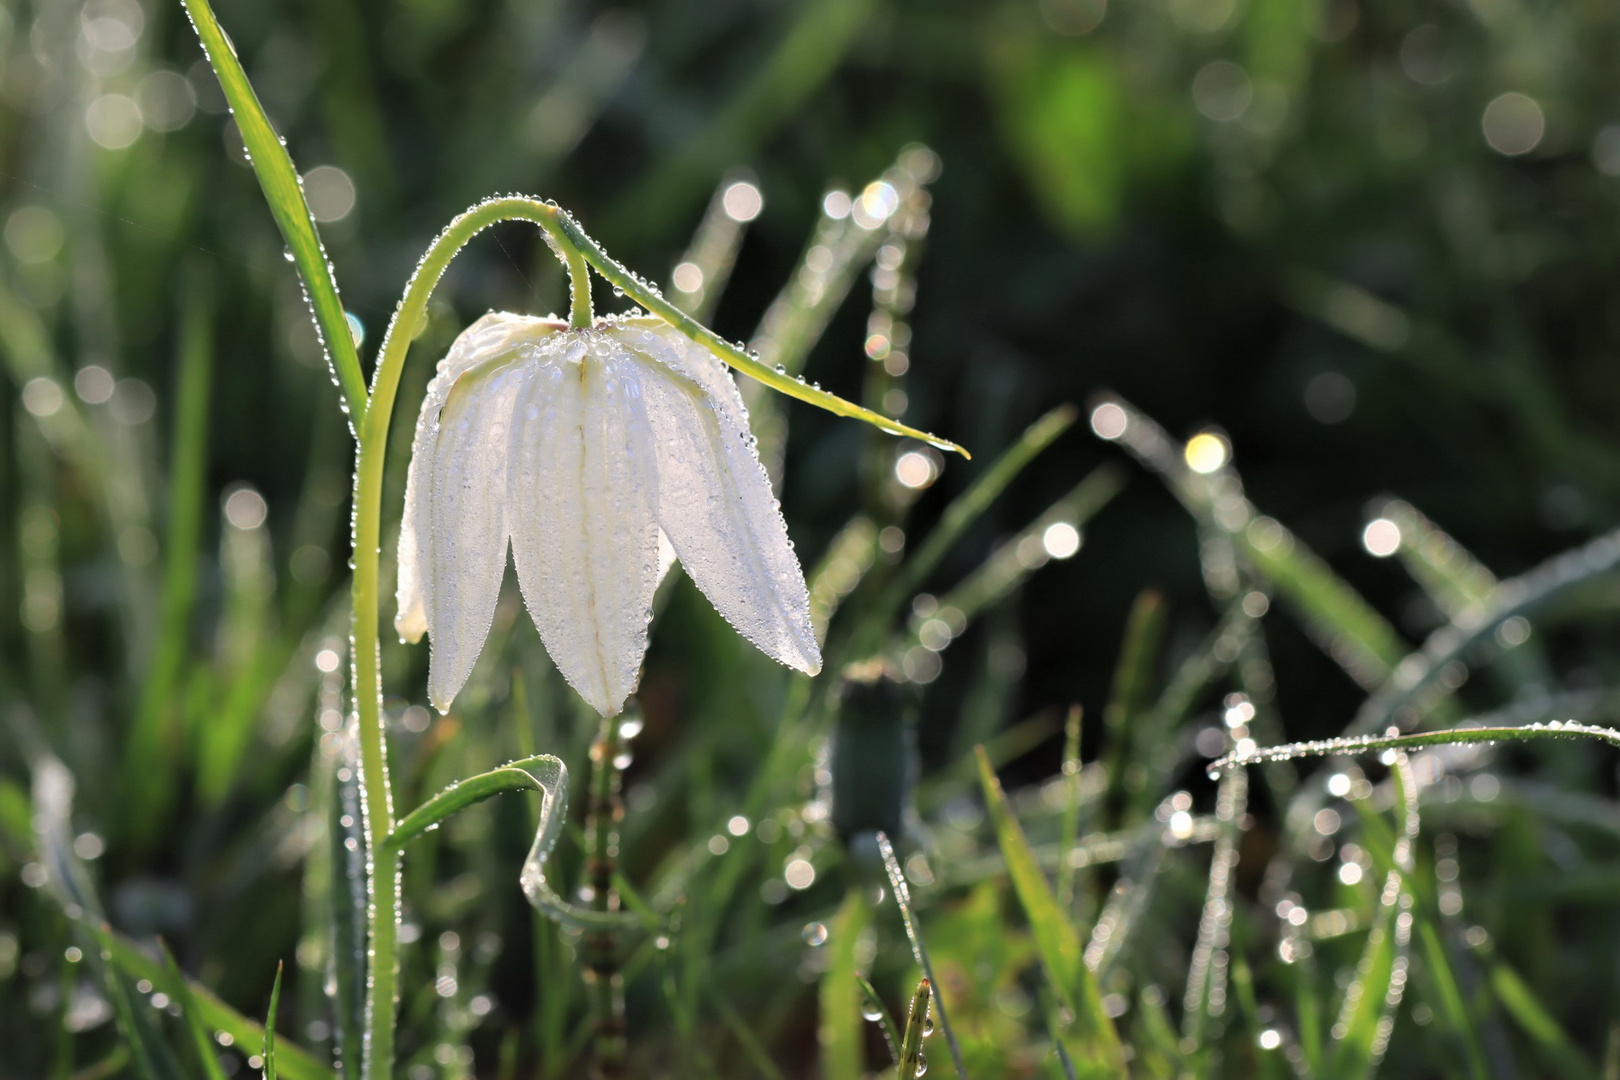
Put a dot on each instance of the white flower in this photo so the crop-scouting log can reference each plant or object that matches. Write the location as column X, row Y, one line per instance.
column 587, row 448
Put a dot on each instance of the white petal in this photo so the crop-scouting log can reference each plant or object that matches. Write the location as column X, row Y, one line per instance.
column 715, row 501
column 465, row 554
column 581, row 503
column 491, row 336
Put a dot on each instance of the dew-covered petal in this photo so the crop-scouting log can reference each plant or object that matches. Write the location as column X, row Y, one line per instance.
column 581, row 502
column 464, row 557
column 491, row 336
column 715, row 502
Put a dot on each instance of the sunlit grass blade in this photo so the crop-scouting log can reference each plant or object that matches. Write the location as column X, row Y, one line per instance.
column 284, row 192
column 1128, row 697
column 180, row 991
column 1205, row 998
column 292, row 1062
column 872, row 1005
column 1346, row 627
column 902, row 899
column 549, row 776
column 843, row 1045
column 912, row 1061
column 1552, row 1043
column 1055, row 936
column 348, row 896
column 1450, row 736
column 704, row 268
column 758, row 1057
column 270, row 1028
column 1141, row 858
column 149, row 758
column 1454, row 579
column 1367, row 1014
column 1072, row 791
column 1452, row 1010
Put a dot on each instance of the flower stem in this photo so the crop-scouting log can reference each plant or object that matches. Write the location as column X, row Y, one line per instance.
column 603, row 980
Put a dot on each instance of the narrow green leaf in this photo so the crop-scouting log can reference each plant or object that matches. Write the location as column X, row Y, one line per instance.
column 1055, row 937
column 180, row 991
column 549, row 776
column 285, row 193
column 1452, row 1010
column 874, row 1004
column 1361, row 744
column 1128, row 697
column 1070, row 831
column 843, row 1049
column 270, row 1028
column 911, row 1043
column 1552, row 1042
column 902, row 900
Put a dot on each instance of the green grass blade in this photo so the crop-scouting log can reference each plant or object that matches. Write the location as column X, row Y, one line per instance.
column 1133, row 679
column 873, row 1004
column 1072, row 791
column 1055, row 937
column 292, row 1062
column 902, row 899
column 1552, row 1042
column 1448, row 996
column 149, row 758
column 843, row 1046
column 180, row 991
column 1361, row 744
column 270, row 1028
column 284, row 191
column 712, row 253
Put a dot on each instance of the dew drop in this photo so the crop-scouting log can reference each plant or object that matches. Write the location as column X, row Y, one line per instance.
column 871, row 1012
column 815, row 934
column 922, row 1064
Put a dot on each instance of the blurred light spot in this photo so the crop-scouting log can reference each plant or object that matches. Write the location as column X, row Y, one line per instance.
column 876, row 204
column 773, row 891
column 1330, row 398
column 1181, row 824
column 1514, row 631
column 877, row 346
column 1349, row 873
column 446, row 986
column 88, row 846
column 416, row 719
column 914, row 469
column 799, row 874
column 1269, row 1039
column 245, row 508
column 205, row 85
column 1381, row 538
column 934, row 635
column 1606, row 151
column 132, row 402
column 892, row 539
column 742, row 201
column 1424, row 56
column 1338, row 785
column 895, row 401
column 737, row 825
column 1205, row 453
column 1326, row 822
column 327, row 661
column 167, row 100
column 1073, row 17
column 1221, row 91
column 918, row 870
column 819, row 259
column 137, row 546
column 224, row 1038
column 924, row 605
column 94, row 384
column 1513, row 123
column 1256, row 604
column 688, row 277
column 34, row 234
column 72, row 954
column 1202, row 16
column 836, row 205
column 1108, row 421
column 814, row 934
column 718, row 845
column 921, row 665
column 1061, row 540
column 42, row 397
column 482, row 1005
column 114, row 121
column 329, row 192
column 896, row 364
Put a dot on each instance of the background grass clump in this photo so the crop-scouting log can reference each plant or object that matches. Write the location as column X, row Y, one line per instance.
column 1284, row 334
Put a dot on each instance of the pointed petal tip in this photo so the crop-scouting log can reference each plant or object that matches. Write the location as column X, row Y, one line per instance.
column 410, row 626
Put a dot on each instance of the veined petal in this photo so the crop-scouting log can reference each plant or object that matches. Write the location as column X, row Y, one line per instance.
column 714, row 500
column 581, row 503
column 489, row 337
column 464, row 556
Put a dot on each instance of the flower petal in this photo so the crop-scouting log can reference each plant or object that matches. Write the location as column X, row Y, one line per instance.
column 465, row 555
column 583, row 532
column 490, row 336
column 715, row 501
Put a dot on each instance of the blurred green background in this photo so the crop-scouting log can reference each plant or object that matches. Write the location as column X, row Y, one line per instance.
column 1375, row 245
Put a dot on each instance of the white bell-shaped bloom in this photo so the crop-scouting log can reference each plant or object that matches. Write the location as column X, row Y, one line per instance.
column 588, row 449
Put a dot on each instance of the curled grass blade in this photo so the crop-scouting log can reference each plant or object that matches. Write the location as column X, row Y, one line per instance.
column 1055, row 936
column 284, row 191
column 874, row 1003
column 549, row 776
column 902, row 899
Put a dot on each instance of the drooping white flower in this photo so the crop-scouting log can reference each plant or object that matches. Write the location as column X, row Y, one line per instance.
column 586, row 449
